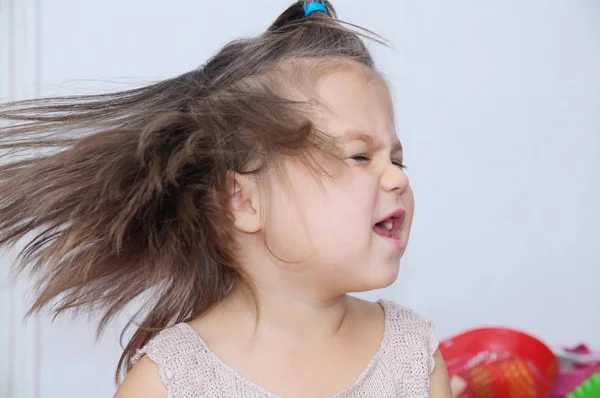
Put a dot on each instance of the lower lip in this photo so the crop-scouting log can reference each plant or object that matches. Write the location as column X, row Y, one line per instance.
column 397, row 243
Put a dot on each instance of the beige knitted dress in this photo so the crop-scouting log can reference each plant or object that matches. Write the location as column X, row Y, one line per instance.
column 400, row 369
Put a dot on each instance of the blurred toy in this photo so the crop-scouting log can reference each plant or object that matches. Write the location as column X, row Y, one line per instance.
column 500, row 363
column 589, row 389
column 577, row 364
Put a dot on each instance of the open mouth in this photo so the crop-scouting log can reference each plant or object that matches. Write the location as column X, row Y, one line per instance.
column 390, row 226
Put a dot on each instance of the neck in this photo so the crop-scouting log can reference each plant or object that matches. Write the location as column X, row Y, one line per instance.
column 280, row 312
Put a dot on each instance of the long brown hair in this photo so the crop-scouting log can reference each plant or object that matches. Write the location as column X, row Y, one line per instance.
column 125, row 193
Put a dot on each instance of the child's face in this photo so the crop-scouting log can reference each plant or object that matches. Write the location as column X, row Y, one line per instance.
column 329, row 230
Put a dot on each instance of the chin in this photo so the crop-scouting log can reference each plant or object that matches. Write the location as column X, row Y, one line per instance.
column 386, row 280
column 378, row 279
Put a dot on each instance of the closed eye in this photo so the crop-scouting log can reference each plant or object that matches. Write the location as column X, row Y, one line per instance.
column 365, row 158
column 360, row 158
column 399, row 164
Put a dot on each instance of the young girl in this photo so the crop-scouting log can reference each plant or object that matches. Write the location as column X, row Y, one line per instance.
column 243, row 201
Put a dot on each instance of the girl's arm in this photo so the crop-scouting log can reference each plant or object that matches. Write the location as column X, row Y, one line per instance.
column 439, row 386
column 142, row 381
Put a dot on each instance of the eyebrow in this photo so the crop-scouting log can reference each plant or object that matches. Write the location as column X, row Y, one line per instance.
column 367, row 138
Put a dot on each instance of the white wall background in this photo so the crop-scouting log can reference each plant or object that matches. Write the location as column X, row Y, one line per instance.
column 499, row 111
column 18, row 339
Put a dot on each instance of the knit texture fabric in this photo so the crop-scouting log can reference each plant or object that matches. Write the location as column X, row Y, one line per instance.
column 400, row 369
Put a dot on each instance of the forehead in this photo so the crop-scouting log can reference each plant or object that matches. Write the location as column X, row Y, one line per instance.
column 355, row 102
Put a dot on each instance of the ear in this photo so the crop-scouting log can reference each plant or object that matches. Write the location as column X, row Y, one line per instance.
column 244, row 202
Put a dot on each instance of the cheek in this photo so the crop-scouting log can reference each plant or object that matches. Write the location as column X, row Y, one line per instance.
column 408, row 201
column 321, row 222
column 285, row 229
column 343, row 211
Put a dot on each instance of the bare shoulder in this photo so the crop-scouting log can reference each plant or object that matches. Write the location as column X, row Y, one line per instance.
column 143, row 381
column 368, row 315
column 439, row 382
column 367, row 309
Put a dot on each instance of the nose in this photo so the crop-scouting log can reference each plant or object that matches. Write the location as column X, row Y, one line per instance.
column 394, row 179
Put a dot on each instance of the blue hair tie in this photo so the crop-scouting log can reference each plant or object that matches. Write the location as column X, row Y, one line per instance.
column 312, row 7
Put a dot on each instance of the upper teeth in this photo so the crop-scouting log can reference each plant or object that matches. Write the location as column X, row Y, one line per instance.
column 388, row 224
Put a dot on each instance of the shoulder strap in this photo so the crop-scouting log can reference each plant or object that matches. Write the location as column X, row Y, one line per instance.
column 178, row 353
column 411, row 337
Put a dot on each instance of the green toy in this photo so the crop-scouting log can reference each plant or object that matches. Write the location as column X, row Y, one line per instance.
column 589, row 389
